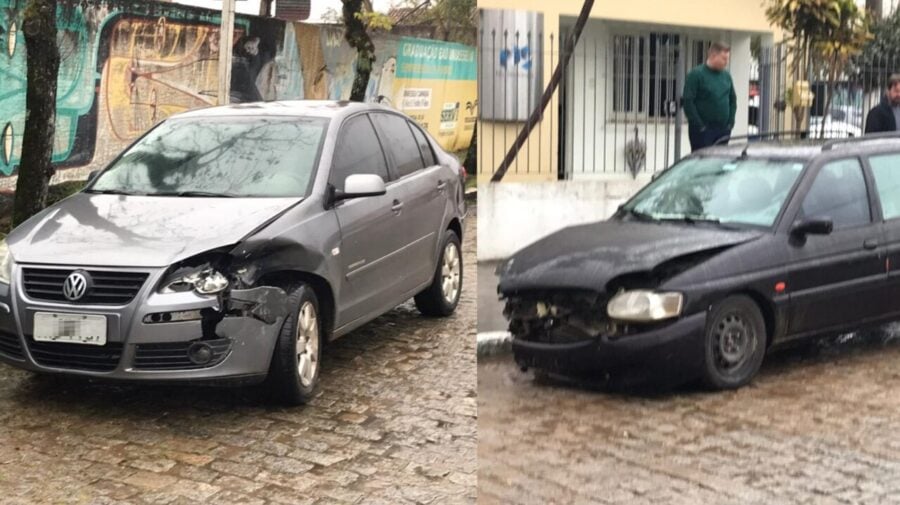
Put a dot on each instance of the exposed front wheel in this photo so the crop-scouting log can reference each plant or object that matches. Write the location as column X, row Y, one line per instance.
column 735, row 343
column 294, row 372
column 442, row 296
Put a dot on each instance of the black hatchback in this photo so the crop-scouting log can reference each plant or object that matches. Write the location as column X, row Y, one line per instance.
column 729, row 252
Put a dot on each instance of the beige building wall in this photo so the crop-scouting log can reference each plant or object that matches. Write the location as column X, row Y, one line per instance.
column 539, row 162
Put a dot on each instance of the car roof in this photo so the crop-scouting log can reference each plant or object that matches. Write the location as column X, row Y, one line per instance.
column 332, row 109
column 805, row 148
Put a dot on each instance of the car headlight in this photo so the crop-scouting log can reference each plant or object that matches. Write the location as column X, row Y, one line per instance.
column 206, row 282
column 5, row 262
column 644, row 306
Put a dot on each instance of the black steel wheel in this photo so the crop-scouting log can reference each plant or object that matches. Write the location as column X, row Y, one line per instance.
column 735, row 343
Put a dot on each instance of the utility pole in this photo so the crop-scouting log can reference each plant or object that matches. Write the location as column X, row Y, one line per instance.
column 226, row 43
column 265, row 8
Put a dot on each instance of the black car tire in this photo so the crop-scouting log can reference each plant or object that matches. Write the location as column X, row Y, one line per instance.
column 734, row 344
column 284, row 379
column 432, row 301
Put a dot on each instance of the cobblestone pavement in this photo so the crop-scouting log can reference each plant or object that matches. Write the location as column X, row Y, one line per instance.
column 818, row 426
column 395, row 422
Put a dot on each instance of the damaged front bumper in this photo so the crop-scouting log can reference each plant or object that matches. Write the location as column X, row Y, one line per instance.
column 156, row 337
column 673, row 350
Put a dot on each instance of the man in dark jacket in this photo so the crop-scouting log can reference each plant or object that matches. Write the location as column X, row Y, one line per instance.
column 710, row 102
column 885, row 116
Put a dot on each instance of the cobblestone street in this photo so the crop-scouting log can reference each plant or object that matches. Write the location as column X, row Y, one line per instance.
column 395, row 422
column 819, row 425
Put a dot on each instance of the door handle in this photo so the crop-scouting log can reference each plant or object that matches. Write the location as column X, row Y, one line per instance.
column 442, row 184
column 870, row 243
column 397, row 207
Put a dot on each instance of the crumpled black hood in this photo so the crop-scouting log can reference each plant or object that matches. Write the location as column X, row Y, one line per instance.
column 589, row 256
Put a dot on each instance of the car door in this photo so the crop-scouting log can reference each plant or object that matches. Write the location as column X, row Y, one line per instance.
column 421, row 190
column 885, row 170
column 836, row 279
column 371, row 232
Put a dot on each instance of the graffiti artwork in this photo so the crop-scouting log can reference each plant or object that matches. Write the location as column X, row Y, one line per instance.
column 128, row 64
column 125, row 68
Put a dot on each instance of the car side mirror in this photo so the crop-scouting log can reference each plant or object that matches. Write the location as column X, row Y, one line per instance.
column 361, row 185
column 93, row 175
column 813, row 227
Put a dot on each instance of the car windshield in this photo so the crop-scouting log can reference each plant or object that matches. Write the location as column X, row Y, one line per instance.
column 211, row 157
column 722, row 190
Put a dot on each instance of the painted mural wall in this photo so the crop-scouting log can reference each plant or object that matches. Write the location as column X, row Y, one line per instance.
column 126, row 65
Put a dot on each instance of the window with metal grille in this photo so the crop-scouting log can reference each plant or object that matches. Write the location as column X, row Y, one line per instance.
column 643, row 69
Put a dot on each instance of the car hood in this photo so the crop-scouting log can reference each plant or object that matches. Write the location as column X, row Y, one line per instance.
column 137, row 231
column 589, row 256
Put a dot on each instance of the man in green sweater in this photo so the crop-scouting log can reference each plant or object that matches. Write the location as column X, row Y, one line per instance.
column 709, row 99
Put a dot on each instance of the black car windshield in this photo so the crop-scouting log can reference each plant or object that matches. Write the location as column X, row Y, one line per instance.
column 229, row 156
column 724, row 190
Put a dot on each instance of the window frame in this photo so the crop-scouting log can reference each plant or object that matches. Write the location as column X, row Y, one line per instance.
column 415, row 127
column 395, row 176
column 340, row 135
column 877, row 197
column 688, row 41
column 874, row 210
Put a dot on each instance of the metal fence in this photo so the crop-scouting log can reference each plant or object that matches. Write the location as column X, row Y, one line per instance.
column 856, row 89
column 618, row 112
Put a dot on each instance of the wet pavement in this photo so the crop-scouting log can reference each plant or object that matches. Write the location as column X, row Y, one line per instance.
column 394, row 422
column 819, row 425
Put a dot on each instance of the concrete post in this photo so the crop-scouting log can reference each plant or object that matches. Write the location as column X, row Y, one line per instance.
column 226, row 43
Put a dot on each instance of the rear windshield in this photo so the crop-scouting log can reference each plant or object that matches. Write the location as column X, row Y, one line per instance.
column 741, row 191
column 245, row 157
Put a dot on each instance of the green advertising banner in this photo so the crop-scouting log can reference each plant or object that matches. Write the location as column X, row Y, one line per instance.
column 431, row 59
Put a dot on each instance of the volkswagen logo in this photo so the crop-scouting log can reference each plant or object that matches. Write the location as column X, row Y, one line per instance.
column 76, row 285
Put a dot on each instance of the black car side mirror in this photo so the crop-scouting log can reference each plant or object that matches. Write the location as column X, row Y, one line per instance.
column 813, row 227
column 93, row 175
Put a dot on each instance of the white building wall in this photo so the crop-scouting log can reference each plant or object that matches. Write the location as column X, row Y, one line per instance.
column 512, row 215
column 595, row 145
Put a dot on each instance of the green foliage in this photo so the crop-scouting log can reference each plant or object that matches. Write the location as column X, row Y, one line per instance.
column 375, row 20
column 822, row 37
column 456, row 19
column 819, row 28
column 881, row 54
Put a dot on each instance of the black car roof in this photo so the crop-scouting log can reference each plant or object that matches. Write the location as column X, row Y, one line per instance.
column 806, row 148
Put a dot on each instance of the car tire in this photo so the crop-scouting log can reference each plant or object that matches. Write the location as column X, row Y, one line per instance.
column 734, row 343
column 294, row 372
column 441, row 297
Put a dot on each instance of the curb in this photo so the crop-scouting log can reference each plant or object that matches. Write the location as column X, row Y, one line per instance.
column 492, row 343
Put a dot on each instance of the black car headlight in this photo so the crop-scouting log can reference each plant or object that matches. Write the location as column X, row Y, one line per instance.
column 644, row 306
column 206, row 282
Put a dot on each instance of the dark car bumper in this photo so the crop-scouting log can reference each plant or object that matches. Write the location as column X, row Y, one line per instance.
column 675, row 350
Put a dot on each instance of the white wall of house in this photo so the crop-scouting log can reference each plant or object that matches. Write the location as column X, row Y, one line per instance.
column 597, row 133
column 512, row 215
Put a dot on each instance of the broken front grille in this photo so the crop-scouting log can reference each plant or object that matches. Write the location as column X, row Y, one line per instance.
column 109, row 287
column 557, row 317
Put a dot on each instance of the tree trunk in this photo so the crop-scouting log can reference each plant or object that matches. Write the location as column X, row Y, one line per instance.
column 42, row 53
column 358, row 38
column 471, row 164
column 832, row 78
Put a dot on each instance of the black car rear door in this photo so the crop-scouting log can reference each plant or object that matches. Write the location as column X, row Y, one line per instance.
column 837, row 279
column 885, row 170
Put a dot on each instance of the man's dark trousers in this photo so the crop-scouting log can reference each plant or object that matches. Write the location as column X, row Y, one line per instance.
column 707, row 137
